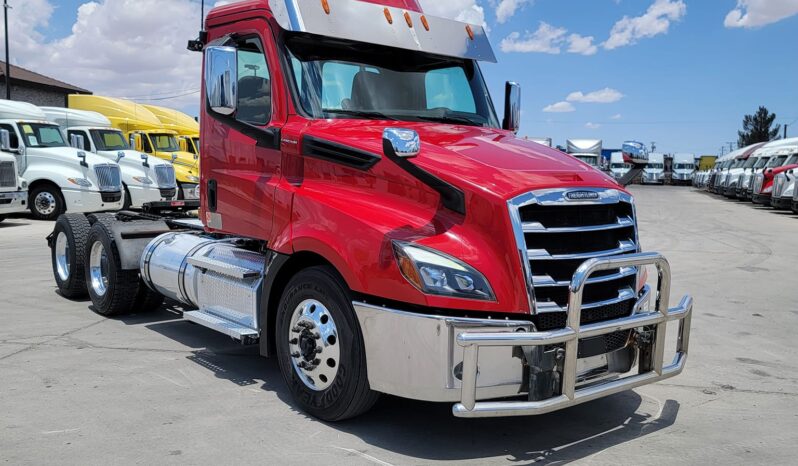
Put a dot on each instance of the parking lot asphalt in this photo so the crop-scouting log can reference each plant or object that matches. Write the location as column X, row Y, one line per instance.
column 76, row 388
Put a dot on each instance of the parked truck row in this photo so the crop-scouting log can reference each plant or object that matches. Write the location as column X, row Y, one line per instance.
column 98, row 154
column 368, row 220
column 763, row 173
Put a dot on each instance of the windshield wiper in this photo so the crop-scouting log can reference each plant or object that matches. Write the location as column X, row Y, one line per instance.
column 361, row 113
column 453, row 119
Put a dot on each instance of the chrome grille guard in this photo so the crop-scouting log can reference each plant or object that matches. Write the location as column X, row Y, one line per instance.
column 570, row 336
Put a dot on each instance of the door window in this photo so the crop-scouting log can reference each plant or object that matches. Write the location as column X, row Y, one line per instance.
column 86, row 142
column 14, row 139
column 254, row 83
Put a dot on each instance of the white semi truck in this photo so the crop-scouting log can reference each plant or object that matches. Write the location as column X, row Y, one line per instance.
column 618, row 168
column 655, row 169
column 144, row 178
column 60, row 178
column 13, row 188
column 586, row 150
column 683, row 168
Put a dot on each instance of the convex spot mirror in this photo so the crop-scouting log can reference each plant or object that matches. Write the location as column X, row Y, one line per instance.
column 512, row 107
column 401, row 142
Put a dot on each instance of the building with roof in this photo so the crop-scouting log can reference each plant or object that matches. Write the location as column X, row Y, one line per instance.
column 35, row 88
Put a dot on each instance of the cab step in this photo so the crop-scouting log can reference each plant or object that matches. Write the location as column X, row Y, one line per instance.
column 233, row 329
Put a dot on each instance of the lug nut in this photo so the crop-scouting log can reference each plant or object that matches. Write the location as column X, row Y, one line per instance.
column 295, row 354
column 293, row 341
column 317, row 336
column 316, row 362
column 296, row 329
column 319, row 350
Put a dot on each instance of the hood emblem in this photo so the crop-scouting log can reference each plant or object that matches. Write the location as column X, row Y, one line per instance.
column 582, row 195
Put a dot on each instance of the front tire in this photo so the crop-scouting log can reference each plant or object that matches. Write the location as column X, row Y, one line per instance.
column 46, row 202
column 68, row 254
column 320, row 347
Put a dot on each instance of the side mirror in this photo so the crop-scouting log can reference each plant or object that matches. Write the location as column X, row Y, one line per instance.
column 119, row 156
column 512, row 107
column 221, row 79
column 76, row 141
column 82, row 157
column 401, row 142
column 145, row 160
column 174, row 157
column 5, row 140
column 135, row 142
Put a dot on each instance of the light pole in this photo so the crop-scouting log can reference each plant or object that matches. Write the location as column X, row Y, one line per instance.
column 8, row 65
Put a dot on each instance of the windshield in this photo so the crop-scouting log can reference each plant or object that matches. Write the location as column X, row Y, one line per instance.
column 164, row 142
column 619, row 165
column 738, row 163
column 761, row 162
column 108, row 139
column 793, row 160
column 588, row 159
column 196, row 144
column 655, row 165
column 41, row 135
column 341, row 79
column 777, row 161
column 750, row 162
column 684, row 166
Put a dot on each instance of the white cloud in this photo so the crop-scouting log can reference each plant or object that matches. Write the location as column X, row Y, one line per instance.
column 602, row 96
column 547, row 39
column 754, row 13
column 468, row 11
column 116, row 47
column 559, row 107
column 655, row 21
column 590, row 125
column 581, row 44
column 617, row 116
column 507, row 8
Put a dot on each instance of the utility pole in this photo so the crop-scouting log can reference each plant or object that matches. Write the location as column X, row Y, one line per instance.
column 8, row 65
column 653, row 146
column 731, row 146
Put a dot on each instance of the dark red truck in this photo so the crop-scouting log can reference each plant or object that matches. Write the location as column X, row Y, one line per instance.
column 368, row 220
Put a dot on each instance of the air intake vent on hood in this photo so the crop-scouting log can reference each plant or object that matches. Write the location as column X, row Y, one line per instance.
column 338, row 153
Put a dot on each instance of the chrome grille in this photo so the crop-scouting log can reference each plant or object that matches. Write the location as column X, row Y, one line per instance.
column 165, row 174
column 8, row 176
column 108, row 177
column 556, row 235
column 778, row 185
column 759, row 180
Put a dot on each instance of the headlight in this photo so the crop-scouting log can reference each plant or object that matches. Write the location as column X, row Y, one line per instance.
column 433, row 272
column 193, row 179
column 82, row 182
column 143, row 179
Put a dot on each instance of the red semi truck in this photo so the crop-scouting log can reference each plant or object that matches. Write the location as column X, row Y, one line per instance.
column 367, row 220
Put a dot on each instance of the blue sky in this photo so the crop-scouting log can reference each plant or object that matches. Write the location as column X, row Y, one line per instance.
column 687, row 88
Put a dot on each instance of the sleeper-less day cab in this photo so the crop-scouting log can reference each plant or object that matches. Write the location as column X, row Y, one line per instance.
column 60, row 178
column 144, row 178
column 654, row 172
column 13, row 188
column 368, row 221
column 683, row 168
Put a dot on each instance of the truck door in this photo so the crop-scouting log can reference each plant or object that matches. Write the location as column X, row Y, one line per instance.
column 241, row 151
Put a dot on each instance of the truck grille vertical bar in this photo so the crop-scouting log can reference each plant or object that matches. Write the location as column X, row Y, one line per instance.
column 8, row 176
column 165, row 175
column 108, row 177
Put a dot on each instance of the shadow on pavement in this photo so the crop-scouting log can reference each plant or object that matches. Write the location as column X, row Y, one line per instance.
column 428, row 431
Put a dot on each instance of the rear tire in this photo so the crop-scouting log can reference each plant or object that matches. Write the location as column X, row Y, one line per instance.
column 348, row 393
column 68, row 255
column 113, row 291
column 46, row 202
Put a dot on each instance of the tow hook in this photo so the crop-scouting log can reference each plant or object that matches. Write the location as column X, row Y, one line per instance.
column 542, row 372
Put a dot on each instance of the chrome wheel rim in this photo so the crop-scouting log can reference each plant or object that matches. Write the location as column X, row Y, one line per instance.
column 98, row 269
column 62, row 256
column 44, row 203
column 313, row 345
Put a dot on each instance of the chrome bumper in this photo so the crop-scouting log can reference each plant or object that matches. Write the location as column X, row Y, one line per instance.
column 570, row 336
column 438, row 358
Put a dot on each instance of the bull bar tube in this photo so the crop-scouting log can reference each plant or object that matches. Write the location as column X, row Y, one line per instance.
column 570, row 336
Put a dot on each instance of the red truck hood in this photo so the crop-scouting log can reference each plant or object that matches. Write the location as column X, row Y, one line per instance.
column 484, row 159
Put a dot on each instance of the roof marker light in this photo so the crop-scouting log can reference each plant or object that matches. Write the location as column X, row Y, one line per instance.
column 470, row 31
column 326, row 5
column 388, row 16
column 408, row 20
column 425, row 22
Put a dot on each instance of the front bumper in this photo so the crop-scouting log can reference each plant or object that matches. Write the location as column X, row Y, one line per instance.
column 438, row 358
column 781, row 203
column 763, row 199
column 78, row 201
column 14, row 201
column 140, row 195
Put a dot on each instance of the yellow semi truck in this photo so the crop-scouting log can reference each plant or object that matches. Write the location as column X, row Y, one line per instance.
column 187, row 128
column 147, row 134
